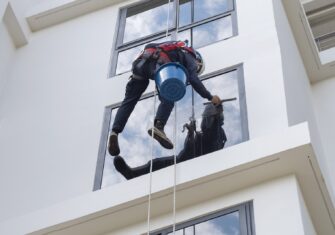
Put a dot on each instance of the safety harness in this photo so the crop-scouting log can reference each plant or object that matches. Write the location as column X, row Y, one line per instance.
column 161, row 52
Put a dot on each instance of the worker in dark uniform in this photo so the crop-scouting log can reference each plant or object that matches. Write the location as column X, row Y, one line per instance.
column 212, row 137
column 143, row 68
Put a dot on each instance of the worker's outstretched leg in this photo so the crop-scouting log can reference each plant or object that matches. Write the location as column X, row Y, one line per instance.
column 163, row 113
column 134, row 90
column 132, row 172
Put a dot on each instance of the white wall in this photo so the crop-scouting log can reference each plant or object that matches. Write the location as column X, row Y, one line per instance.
column 7, row 52
column 306, row 219
column 53, row 104
column 52, row 112
column 323, row 100
column 298, row 89
column 277, row 210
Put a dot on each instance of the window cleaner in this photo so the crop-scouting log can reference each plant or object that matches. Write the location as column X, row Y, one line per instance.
column 212, row 137
column 144, row 67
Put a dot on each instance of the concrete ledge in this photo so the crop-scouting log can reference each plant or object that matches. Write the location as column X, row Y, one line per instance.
column 219, row 173
column 52, row 13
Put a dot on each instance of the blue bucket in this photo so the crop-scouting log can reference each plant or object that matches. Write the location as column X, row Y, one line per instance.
column 171, row 81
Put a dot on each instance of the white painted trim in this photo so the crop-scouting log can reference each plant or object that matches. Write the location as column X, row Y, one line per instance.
column 52, row 13
column 14, row 27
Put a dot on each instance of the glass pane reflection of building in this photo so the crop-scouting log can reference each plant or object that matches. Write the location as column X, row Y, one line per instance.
column 135, row 143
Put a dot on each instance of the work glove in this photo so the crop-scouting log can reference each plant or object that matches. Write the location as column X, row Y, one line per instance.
column 216, row 100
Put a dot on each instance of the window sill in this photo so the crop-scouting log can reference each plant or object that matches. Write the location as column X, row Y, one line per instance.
column 287, row 152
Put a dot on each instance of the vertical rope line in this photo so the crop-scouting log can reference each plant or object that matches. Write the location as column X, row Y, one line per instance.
column 177, row 18
column 175, row 137
column 193, row 119
column 174, row 167
column 152, row 139
column 151, row 158
column 168, row 20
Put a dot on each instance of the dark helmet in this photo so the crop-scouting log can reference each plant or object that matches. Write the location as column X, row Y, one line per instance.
column 201, row 63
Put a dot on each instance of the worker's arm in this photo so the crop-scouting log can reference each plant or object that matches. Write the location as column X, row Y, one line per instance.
column 193, row 78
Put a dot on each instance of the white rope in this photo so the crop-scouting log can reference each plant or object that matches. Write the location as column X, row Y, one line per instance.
column 151, row 158
column 152, row 148
column 174, row 167
column 168, row 19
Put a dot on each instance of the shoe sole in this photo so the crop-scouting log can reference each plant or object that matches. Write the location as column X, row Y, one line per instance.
column 113, row 146
column 163, row 141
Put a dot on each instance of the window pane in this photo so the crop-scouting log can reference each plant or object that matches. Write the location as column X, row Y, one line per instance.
column 135, row 132
column 211, row 32
column 205, row 9
column 148, row 21
column 185, row 11
column 225, row 86
column 178, row 232
column 135, row 135
column 189, row 230
column 224, row 225
column 126, row 58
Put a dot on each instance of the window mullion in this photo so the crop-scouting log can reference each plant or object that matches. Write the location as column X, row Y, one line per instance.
column 122, row 27
column 192, row 11
column 176, row 11
column 207, row 20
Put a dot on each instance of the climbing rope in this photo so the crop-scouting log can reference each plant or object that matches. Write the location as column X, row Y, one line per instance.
column 174, row 167
column 152, row 136
column 174, row 141
column 151, row 160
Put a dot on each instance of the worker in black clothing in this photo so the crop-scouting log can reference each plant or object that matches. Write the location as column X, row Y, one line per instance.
column 143, row 68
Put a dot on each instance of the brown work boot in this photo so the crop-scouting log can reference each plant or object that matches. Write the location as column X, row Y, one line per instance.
column 160, row 136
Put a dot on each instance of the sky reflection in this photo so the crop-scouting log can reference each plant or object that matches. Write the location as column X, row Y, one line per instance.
column 228, row 224
column 205, row 9
column 148, row 22
column 223, row 225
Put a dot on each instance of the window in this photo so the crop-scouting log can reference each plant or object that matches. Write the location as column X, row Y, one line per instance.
column 237, row 220
column 326, row 41
column 322, row 22
column 200, row 22
column 227, row 84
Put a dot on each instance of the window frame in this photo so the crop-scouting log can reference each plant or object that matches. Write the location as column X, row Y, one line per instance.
column 119, row 46
column 109, row 109
column 246, row 216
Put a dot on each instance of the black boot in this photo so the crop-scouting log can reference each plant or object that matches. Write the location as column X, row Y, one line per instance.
column 122, row 167
column 113, row 145
column 159, row 135
column 130, row 173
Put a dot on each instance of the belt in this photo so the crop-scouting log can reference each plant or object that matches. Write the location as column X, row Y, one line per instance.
column 137, row 77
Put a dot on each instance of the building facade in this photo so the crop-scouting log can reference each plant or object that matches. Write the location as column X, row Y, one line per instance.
column 64, row 66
